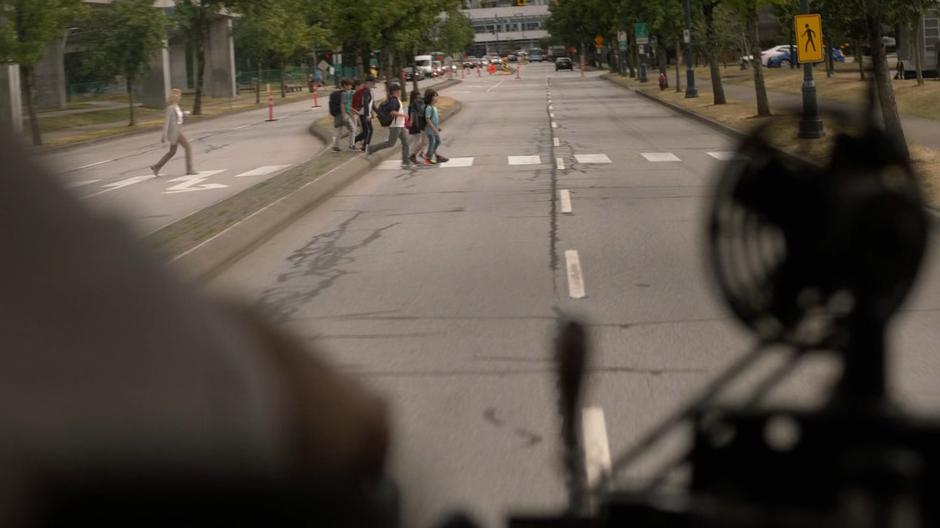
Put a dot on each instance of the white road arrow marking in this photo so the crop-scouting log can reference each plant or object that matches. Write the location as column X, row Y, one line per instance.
column 119, row 185
column 194, row 183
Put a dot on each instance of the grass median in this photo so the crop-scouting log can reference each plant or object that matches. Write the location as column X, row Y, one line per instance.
column 781, row 128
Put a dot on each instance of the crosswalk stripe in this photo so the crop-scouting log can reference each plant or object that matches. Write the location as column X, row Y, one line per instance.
column 556, row 142
column 592, row 158
column 727, row 156
column 524, row 160
column 457, row 162
column 657, row 157
column 264, row 170
column 75, row 185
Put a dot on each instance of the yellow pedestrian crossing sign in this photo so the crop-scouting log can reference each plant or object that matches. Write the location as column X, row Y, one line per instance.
column 809, row 40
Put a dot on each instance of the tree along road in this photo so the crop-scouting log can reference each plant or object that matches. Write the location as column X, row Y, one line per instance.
column 441, row 287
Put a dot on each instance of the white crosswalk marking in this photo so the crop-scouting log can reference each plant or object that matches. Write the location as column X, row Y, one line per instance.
column 389, row 165
column 556, row 142
column 194, row 183
column 592, row 158
column 262, row 171
column 120, row 185
column 565, row 196
column 524, row 160
column 575, row 276
column 658, row 157
column 596, row 445
column 728, row 156
column 560, row 163
column 457, row 162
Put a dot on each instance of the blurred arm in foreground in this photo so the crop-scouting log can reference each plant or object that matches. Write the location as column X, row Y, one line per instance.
column 112, row 370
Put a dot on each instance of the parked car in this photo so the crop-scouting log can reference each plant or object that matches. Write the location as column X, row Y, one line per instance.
column 784, row 59
column 564, row 63
column 471, row 62
column 766, row 54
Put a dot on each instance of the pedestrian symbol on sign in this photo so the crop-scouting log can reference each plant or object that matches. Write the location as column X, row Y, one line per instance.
column 809, row 34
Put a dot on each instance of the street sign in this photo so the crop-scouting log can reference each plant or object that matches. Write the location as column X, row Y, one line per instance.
column 599, row 41
column 323, row 65
column 622, row 36
column 642, row 33
column 686, row 36
column 809, row 39
column 337, row 58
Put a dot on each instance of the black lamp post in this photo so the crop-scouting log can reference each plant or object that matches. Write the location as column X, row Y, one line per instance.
column 811, row 126
column 690, row 89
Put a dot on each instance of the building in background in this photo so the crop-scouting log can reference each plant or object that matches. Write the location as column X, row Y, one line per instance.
column 501, row 26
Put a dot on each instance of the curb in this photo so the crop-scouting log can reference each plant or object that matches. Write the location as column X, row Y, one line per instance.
column 213, row 254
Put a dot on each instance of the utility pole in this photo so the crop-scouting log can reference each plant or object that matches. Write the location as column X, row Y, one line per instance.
column 690, row 90
column 811, row 126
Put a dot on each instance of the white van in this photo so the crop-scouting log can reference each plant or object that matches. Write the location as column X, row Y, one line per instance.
column 423, row 63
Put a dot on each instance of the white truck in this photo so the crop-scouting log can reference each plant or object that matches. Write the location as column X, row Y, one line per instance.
column 929, row 44
column 423, row 64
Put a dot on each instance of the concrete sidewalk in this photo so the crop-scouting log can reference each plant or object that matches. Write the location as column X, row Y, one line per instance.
column 918, row 130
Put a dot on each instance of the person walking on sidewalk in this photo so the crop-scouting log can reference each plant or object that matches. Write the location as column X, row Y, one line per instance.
column 363, row 101
column 173, row 121
column 416, row 114
column 341, row 110
column 393, row 108
column 433, row 128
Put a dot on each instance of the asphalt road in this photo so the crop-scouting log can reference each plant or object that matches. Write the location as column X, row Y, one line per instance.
column 441, row 287
column 231, row 153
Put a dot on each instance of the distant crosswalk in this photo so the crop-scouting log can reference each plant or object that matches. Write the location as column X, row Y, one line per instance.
column 600, row 158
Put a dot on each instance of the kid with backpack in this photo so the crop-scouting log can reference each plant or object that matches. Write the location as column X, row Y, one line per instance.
column 341, row 110
column 392, row 115
column 433, row 128
column 362, row 104
column 416, row 114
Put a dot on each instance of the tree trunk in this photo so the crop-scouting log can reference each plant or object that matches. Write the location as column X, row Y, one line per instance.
column 858, row 58
column 763, row 105
column 718, row 89
column 130, row 102
column 889, row 108
column 199, row 37
column 414, row 69
column 30, row 94
column 679, row 64
column 283, row 83
column 631, row 55
column 258, row 85
column 919, row 47
column 827, row 46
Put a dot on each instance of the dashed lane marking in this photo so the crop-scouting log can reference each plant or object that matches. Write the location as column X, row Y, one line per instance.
column 524, row 160
column 488, row 90
column 575, row 276
column 556, row 142
column 592, row 158
column 596, row 445
column 554, row 124
column 262, row 171
column 564, row 196
column 658, row 157
column 560, row 163
column 90, row 165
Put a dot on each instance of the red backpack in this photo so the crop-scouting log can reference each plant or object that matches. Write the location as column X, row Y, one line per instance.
column 357, row 99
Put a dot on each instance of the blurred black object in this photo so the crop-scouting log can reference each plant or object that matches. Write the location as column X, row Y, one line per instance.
column 817, row 260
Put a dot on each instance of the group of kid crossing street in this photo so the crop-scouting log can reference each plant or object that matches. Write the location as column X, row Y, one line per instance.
column 353, row 109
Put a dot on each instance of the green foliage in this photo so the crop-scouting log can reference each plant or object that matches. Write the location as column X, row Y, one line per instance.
column 27, row 25
column 454, row 33
column 124, row 36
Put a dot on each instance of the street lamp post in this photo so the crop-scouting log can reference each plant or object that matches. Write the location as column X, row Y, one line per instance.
column 811, row 126
column 690, row 90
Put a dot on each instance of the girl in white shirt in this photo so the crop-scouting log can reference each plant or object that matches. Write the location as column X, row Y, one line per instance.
column 171, row 132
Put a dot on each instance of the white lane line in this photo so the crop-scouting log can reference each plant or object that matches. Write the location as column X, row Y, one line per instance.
column 592, row 158
column 457, row 162
column 90, row 165
column 565, row 196
column 550, row 108
column 554, row 124
column 728, row 156
column 551, row 115
column 119, row 185
column 556, row 141
column 524, row 160
column 75, row 185
column 596, row 446
column 575, row 277
column 495, row 86
column 241, row 127
column 560, row 163
column 657, row 157
column 264, row 170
